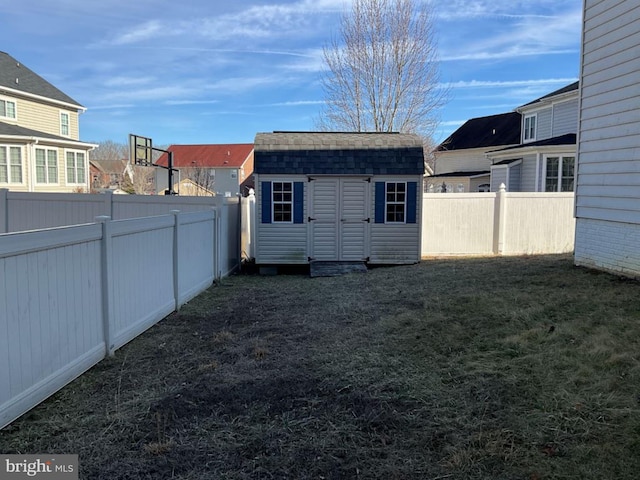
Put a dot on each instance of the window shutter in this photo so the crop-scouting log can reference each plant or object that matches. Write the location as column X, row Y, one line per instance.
column 266, row 202
column 298, row 202
column 412, row 192
column 380, row 194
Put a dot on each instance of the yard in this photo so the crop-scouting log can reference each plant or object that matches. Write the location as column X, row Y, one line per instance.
column 494, row 368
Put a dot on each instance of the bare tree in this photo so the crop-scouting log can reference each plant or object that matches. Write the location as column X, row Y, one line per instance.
column 382, row 72
column 202, row 181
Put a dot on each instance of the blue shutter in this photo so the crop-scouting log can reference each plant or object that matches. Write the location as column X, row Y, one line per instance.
column 298, row 202
column 380, row 201
column 412, row 192
column 266, row 202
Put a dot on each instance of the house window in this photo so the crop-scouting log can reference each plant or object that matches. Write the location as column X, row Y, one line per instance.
column 10, row 164
column 282, row 201
column 76, row 168
column 7, row 109
column 529, row 132
column 234, row 174
column 46, row 165
column 396, row 202
column 64, row 124
column 559, row 174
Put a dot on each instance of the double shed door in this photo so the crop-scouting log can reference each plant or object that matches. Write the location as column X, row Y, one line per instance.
column 339, row 218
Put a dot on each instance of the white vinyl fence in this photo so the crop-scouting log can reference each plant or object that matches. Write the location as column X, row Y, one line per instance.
column 502, row 223
column 71, row 295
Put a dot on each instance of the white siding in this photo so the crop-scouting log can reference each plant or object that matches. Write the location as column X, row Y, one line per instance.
column 393, row 243
column 608, row 184
column 544, row 128
column 498, row 176
column 608, row 181
column 565, row 118
column 514, row 178
column 471, row 159
column 281, row 243
column 528, row 174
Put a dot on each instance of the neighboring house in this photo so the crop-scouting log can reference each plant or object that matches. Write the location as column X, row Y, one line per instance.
column 338, row 197
column 608, row 181
column 461, row 164
column 107, row 174
column 40, row 150
column 544, row 161
column 223, row 169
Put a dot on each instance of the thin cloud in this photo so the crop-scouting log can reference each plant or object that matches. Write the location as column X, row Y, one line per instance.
column 509, row 83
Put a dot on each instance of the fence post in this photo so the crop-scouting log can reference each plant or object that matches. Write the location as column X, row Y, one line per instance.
column 176, row 258
column 499, row 218
column 251, row 218
column 4, row 210
column 106, row 282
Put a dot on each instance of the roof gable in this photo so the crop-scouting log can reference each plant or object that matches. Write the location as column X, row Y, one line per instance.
column 208, row 156
column 15, row 76
column 491, row 131
column 337, row 153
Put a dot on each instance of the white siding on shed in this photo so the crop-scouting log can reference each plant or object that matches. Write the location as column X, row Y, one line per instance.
column 284, row 243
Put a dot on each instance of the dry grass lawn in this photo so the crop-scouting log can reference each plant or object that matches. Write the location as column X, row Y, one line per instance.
column 486, row 368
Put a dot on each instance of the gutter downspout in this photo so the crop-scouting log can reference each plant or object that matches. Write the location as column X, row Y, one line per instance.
column 32, row 164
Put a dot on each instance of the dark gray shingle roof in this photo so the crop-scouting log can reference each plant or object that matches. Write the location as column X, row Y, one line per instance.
column 338, row 153
column 28, row 81
column 566, row 89
column 491, row 131
column 15, row 130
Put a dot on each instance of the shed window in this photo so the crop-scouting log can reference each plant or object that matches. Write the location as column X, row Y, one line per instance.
column 395, row 202
column 282, row 202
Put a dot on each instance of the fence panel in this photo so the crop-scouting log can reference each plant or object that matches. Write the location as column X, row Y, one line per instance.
column 457, row 224
column 196, row 268
column 140, row 297
column 539, row 223
column 50, row 313
column 502, row 223
column 70, row 295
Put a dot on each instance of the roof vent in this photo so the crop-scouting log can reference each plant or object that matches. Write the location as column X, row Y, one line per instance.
column 17, row 81
column 494, row 131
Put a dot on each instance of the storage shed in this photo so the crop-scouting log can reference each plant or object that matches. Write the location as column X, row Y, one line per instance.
column 338, row 197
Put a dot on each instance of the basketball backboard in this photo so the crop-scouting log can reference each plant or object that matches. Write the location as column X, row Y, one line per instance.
column 140, row 150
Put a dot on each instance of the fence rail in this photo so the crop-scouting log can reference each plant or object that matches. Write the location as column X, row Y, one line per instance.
column 71, row 295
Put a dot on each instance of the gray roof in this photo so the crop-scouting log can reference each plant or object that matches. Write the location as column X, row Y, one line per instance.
column 7, row 129
column 338, row 153
column 16, row 76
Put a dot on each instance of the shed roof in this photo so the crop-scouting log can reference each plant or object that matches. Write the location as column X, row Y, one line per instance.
column 16, row 76
column 208, row 155
column 490, row 131
column 338, row 153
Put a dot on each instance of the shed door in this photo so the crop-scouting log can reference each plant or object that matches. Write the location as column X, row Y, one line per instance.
column 339, row 218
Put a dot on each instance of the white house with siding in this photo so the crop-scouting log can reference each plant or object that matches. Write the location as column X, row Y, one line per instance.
column 608, row 181
column 544, row 161
column 338, row 197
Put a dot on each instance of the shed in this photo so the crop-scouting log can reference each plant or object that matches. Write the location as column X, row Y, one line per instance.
column 338, row 197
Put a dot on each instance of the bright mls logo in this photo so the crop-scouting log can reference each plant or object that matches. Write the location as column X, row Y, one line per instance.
column 51, row 467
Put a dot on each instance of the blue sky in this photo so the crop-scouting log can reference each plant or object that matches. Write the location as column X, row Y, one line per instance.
column 212, row 71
